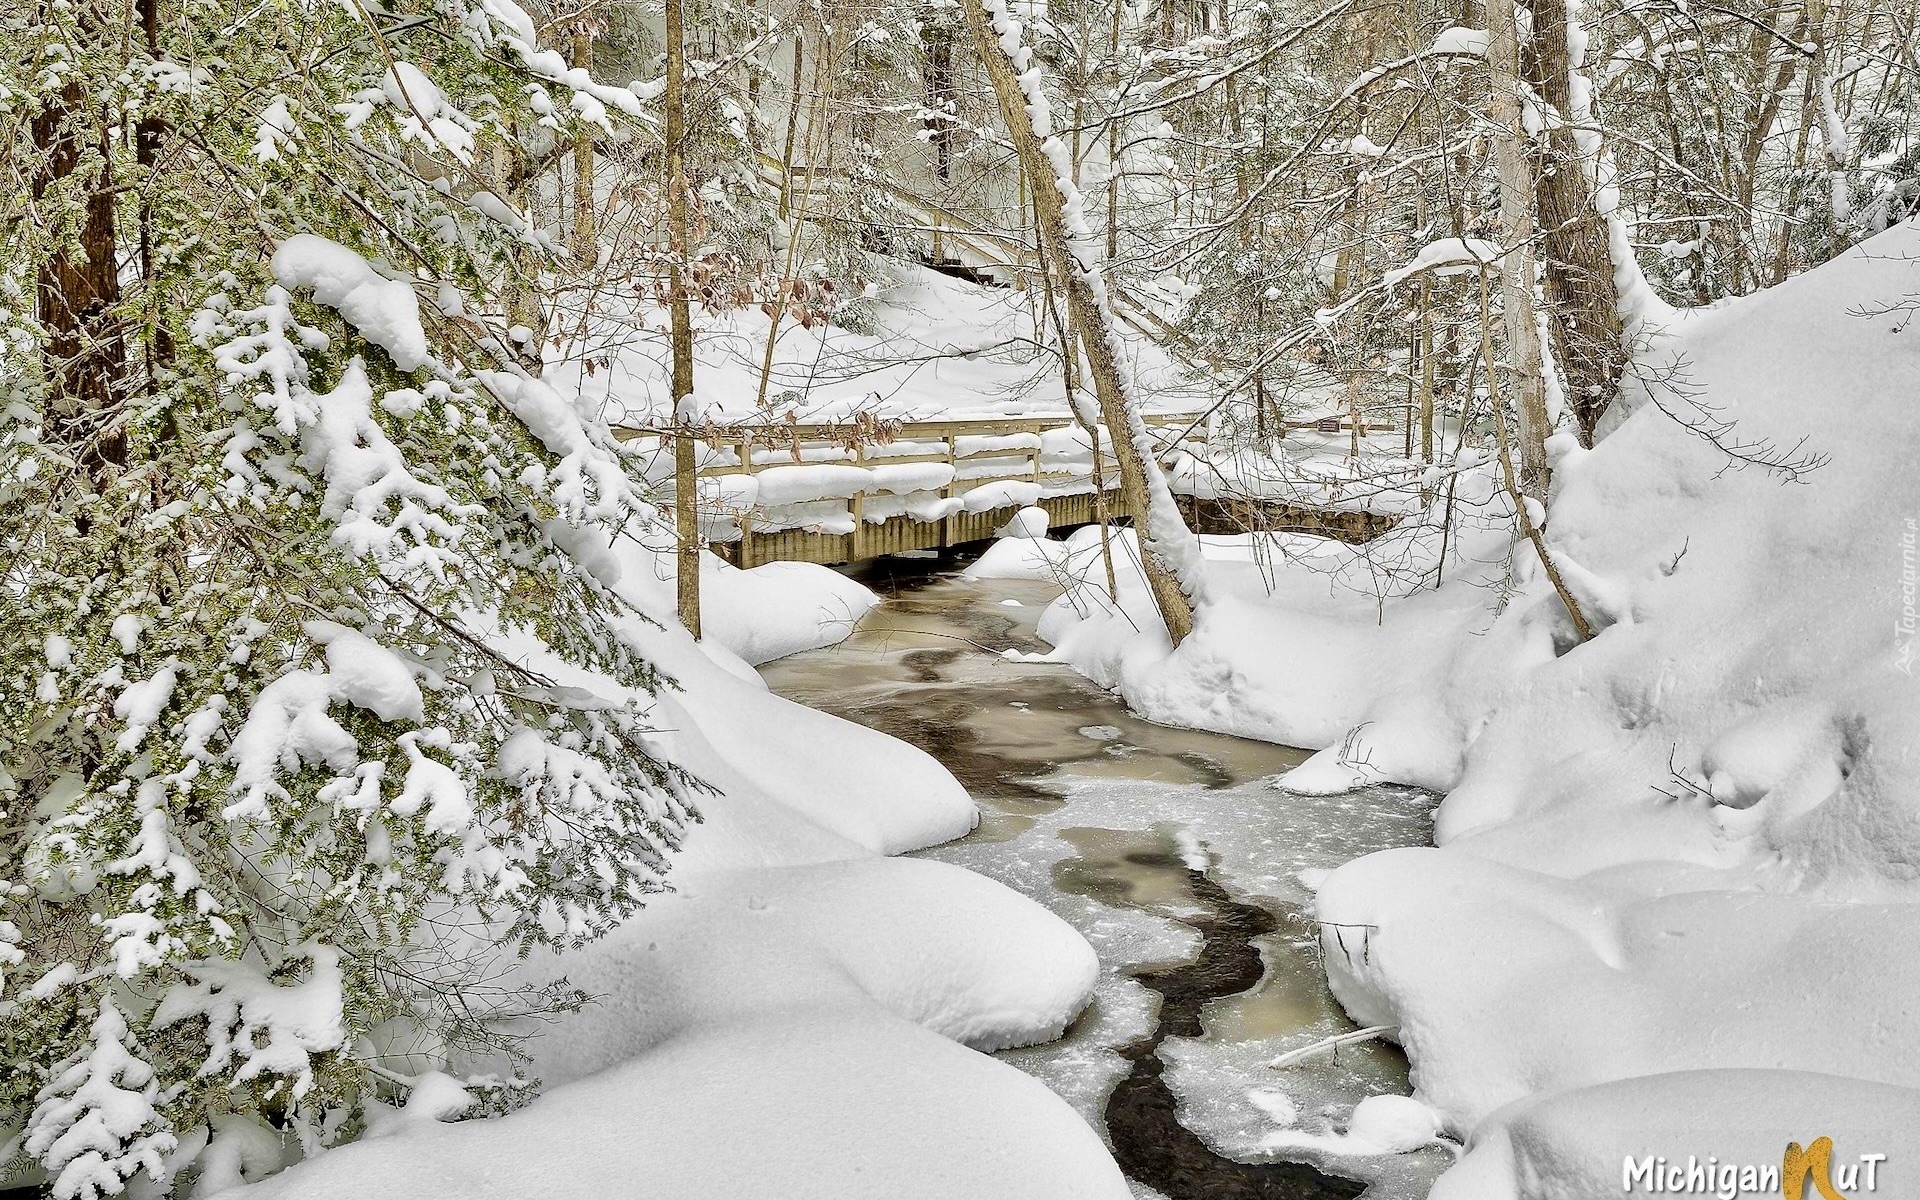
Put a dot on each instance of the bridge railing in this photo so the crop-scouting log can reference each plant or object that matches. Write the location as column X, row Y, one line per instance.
column 763, row 484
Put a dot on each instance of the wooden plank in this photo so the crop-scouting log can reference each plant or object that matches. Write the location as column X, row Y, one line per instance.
column 819, row 431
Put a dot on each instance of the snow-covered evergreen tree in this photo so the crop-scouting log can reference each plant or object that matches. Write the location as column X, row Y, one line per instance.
column 314, row 686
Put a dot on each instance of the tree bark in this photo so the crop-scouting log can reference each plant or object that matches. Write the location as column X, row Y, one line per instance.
column 586, row 242
column 147, row 135
column 939, row 95
column 77, row 291
column 1582, row 299
column 1833, row 130
column 1521, row 514
column 526, row 306
column 1514, row 166
column 1087, row 316
column 685, row 483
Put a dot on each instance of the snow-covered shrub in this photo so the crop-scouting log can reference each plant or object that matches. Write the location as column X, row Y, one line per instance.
column 314, row 690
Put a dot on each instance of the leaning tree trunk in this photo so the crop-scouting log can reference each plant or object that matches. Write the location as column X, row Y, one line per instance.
column 1070, row 250
column 1582, row 298
column 1514, row 165
column 77, row 293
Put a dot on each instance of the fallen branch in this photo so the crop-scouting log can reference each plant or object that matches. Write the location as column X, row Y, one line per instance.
column 1332, row 1045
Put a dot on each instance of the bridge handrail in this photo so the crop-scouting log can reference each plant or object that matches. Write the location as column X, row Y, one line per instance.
column 846, row 436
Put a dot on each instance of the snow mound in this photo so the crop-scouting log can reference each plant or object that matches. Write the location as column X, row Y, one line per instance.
column 1029, row 522
column 1557, row 1147
column 808, row 1104
column 1379, row 1125
column 1018, row 558
column 935, row 945
column 779, row 608
column 799, row 1018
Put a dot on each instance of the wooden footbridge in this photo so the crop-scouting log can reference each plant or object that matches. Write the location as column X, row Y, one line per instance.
column 972, row 477
column 993, row 467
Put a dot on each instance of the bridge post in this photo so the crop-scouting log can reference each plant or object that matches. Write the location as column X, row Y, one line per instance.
column 744, row 558
column 947, row 492
column 859, row 506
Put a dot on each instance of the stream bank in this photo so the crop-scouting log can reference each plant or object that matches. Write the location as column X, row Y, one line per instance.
column 1171, row 851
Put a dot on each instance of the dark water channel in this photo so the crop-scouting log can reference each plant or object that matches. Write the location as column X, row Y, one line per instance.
column 1172, row 851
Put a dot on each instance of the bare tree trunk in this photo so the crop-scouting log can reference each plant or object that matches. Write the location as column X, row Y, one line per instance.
column 1514, row 166
column 1797, row 163
column 1114, row 172
column 585, row 236
column 939, row 93
column 78, row 289
column 1580, row 291
column 526, row 307
column 796, row 211
column 1070, row 380
column 146, row 149
column 1833, row 129
column 686, row 496
column 1424, row 347
column 793, row 124
column 1522, row 512
column 1088, row 317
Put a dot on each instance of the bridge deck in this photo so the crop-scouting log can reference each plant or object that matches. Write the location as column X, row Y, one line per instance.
column 979, row 455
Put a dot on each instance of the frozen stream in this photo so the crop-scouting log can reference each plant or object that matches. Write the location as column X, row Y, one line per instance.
column 1174, row 854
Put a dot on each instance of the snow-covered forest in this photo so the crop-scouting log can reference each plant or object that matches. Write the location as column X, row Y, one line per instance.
column 1042, row 599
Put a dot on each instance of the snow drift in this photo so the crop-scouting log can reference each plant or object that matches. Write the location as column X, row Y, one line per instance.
column 800, row 1017
column 1691, row 844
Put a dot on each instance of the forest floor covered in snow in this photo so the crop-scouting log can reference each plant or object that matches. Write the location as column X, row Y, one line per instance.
column 1674, row 907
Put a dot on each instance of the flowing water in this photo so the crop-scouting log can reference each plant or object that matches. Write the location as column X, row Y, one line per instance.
column 1177, row 857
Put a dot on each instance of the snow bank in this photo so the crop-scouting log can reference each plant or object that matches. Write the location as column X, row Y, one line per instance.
column 778, row 608
column 1562, row 1144
column 799, row 1019
column 806, row 1104
column 1688, row 844
column 931, row 347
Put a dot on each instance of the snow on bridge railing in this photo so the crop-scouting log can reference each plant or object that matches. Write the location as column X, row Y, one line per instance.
column 836, row 478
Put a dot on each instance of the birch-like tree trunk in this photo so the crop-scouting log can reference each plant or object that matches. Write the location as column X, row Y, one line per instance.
column 1513, row 163
column 586, row 242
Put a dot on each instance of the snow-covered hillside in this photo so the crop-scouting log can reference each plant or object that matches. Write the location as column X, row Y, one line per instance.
column 1689, row 845
column 917, row 345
